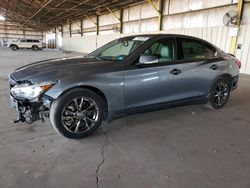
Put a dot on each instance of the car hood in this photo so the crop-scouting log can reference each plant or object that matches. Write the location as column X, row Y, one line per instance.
column 62, row 67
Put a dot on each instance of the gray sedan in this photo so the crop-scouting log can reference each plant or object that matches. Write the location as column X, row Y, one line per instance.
column 126, row 76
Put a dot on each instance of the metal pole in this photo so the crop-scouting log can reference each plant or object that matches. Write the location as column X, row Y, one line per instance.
column 159, row 12
column 121, row 20
column 70, row 33
column 97, row 25
column 240, row 8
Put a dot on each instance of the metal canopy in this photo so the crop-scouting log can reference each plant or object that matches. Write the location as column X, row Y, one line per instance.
column 44, row 14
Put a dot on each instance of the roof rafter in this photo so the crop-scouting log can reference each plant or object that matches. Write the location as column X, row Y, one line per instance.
column 45, row 14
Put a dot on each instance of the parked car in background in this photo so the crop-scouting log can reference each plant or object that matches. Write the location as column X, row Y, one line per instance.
column 33, row 44
column 128, row 75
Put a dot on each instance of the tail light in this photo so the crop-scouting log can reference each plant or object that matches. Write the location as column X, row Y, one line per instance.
column 238, row 63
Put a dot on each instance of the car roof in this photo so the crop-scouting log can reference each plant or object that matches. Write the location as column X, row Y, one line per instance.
column 163, row 34
column 28, row 39
column 171, row 35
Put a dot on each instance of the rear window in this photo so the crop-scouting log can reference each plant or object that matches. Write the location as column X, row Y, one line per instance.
column 191, row 49
column 32, row 40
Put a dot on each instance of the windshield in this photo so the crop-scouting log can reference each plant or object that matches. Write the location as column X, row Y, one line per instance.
column 118, row 49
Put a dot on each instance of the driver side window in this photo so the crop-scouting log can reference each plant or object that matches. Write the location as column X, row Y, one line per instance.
column 162, row 51
column 23, row 40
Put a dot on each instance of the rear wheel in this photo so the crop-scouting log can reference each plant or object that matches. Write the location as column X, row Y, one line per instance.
column 77, row 113
column 14, row 47
column 220, row 93
column 35, row 48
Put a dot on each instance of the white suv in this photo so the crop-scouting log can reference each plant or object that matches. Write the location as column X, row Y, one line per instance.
column 26, row 43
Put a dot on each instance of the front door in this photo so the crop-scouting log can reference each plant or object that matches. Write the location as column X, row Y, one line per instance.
column 23, row 43
column 149, row 80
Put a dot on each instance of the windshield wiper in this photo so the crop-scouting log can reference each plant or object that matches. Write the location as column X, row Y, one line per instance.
column 104, row 58
column 89, row 56
column 98, row 57
column 92, row 56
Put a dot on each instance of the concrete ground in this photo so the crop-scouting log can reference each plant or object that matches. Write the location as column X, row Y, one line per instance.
column 181, row 147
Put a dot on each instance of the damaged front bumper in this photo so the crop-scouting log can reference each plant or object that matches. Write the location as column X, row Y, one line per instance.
column 30, row 111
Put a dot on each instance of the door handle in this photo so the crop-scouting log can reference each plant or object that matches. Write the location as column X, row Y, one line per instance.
column 175, row 71
column 214, row 67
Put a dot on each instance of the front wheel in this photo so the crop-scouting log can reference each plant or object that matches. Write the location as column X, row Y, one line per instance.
column 14, row 47
column 219, row 94
column 77, row 113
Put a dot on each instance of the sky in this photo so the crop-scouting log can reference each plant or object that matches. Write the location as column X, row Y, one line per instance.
column 2, row 18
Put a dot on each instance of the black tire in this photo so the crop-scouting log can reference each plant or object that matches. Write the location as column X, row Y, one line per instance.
column 219, row 93
column 65, row 103
column 14, row 47
column 35, row 48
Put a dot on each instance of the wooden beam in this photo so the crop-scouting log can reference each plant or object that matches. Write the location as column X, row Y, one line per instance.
column 14, row 34
column 63, row 13
column 81, row 27
column 90, row 19
column 81, row 12
column 7, row 9
column 17, row 5
column 30, row 4
column 161, row 7
column 113, row 14
column 97, row 25
column 121, row 20
column 57, row 14
column 151, row 3
column 39, row 10
column 70, row 31
column 62, row 30
column 24, row 33
column 55, row 38
column 58, row 5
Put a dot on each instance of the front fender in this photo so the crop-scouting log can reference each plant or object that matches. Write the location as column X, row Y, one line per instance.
column 111, row 86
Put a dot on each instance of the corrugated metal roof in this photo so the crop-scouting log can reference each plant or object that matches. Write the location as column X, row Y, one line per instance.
column 43, row 14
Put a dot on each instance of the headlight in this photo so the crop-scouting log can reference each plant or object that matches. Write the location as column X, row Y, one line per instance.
column 31, row 92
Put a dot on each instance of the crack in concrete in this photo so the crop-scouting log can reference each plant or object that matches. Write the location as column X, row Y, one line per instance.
column 106, row 142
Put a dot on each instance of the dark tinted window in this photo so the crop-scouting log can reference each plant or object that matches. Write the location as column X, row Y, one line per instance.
column 194, row 49
column 29, row 40
column 161, row 51
column 23, row 40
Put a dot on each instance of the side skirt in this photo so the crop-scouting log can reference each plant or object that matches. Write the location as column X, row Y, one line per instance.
column 129, row 111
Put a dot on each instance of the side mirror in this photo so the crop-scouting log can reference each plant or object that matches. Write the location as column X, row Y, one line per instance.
column 148, row 59
column 125, row 43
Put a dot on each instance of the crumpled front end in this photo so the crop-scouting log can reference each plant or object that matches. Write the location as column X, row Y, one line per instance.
column 26, row 110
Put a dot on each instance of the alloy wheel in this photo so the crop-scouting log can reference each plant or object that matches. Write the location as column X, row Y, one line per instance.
column 80, row 115
column 220, row 93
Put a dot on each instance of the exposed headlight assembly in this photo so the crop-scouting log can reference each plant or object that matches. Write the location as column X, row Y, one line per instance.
column 31, row 91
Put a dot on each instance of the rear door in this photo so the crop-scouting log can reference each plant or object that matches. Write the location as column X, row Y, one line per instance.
column 199, row 65
column 23, row 43
column 30, row 43
column 38, row 43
